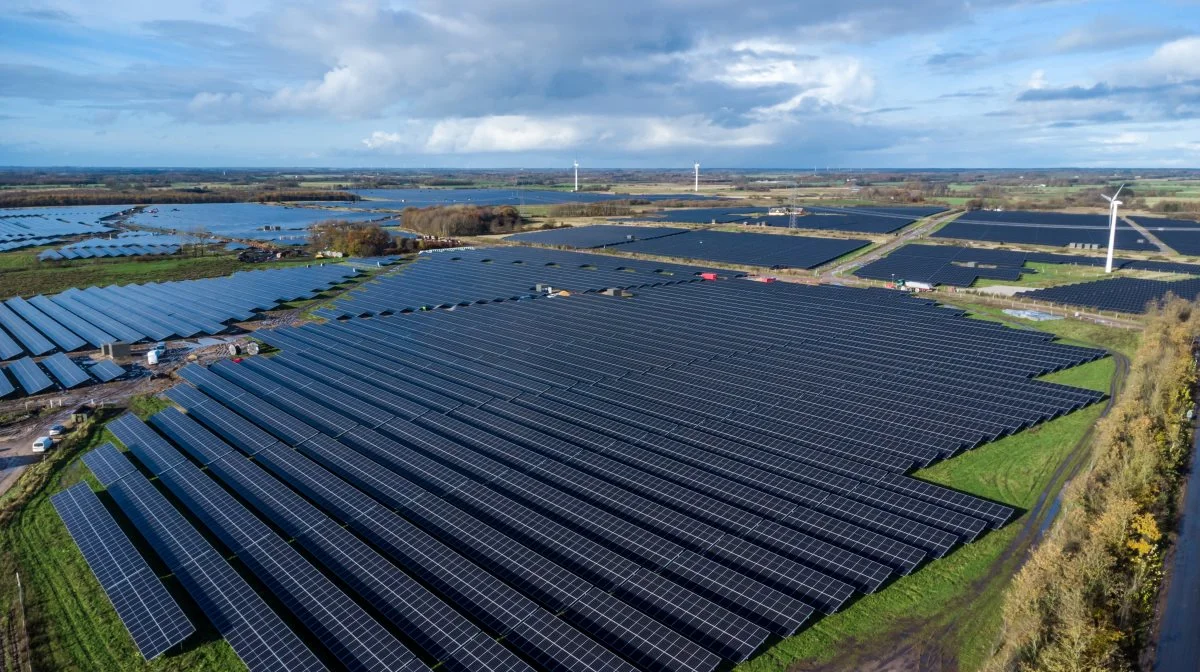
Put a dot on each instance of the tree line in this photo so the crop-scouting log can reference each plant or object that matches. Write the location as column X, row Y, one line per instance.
column 1085, row 598
column 353, row 239
column 461, row 220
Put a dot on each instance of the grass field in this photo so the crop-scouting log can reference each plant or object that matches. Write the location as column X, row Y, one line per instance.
column 1014, row 471
column 21, row 274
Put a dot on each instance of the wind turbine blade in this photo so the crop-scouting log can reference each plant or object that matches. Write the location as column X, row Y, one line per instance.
column 1119, row 190
column 1107, row 198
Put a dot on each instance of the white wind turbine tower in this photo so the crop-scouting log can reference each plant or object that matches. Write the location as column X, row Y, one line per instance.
column 577, row 175
column 1113, row 204
column 696, row 187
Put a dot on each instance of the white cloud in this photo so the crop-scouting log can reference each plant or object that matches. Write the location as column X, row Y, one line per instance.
column 1123, row 138
column 1176, row 61
column 1037, row 80
column 520, row 133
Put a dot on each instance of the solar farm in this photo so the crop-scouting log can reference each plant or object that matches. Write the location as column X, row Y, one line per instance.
column 279, row 224
column 126, row 244
column 576, row 448
column 1053, row 229
column 587, row 483
column 744, row 249
column 600, row 235
column 864, row 219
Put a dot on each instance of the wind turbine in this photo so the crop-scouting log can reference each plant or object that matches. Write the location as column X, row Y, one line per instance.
column 577, row 175
column 1113, row 204
column 696, row 167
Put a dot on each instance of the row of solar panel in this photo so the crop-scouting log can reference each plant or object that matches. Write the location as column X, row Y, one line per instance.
column 33, row 380
column 862, row 219
column 914, row 430
column 66, row 253
column 248, row 392
column 78, row 318
column 497, row 274
column 961, row 266
column 600, row 235
column 1122, row 295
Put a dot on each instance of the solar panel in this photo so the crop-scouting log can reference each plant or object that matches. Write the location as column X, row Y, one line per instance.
column 352, row 635
column 414, row 610
column 257, row 634
column 30, row 377
column 67, row 372
column 147, row 610
column 106, row 370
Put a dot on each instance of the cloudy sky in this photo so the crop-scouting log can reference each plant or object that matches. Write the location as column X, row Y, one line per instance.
column 619, row 83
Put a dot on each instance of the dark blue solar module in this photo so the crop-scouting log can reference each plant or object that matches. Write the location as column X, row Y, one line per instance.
column 859, row 219
column 1055, row 229
column 256, row 633
column 149, row 613
column 243, row 220
column 450, row 278
column 748, row 249
column 1124, row 295
column 31, row 378
column 946, row 265
column 708, row 456
column 67, row 372
column 106, row 370
column 351, row 634
column 594, row 236
column 1181, row 235
column 961, row 266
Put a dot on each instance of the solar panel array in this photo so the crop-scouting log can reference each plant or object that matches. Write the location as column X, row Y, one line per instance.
column 658, row 483
column 862, row 219
column 31, row 376
column 599, row 235
column 82, row 318
column 961, row 266
column 149, row 613
column 49, row 224
column 463, row 277
column 1124, row 295
column 255, row 632
column 1181, row 235
column 1054, row 229
column 278, row 223
column 748, row 249
column 97, row 252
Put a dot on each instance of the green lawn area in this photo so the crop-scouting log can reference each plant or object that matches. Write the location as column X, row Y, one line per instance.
column 21, row 274
column 1013, row 470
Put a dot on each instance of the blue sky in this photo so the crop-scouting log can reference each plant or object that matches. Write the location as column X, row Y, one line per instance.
column 621, row 83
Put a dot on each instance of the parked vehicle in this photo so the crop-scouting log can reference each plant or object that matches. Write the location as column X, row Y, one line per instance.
column 42, row 444
column 57, row 430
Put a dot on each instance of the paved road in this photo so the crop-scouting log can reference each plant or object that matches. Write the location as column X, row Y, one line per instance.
column 1178, row 647
column 919, row 231
column 1154, row 240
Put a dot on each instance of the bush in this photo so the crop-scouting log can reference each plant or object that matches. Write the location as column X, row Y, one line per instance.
column 1085, row 598
column 350, row 238
column 461, row 220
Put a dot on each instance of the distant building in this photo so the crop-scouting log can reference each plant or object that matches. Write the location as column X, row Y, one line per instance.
column 785, row 210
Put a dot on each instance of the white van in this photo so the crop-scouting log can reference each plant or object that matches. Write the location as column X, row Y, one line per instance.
column 42, row 443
